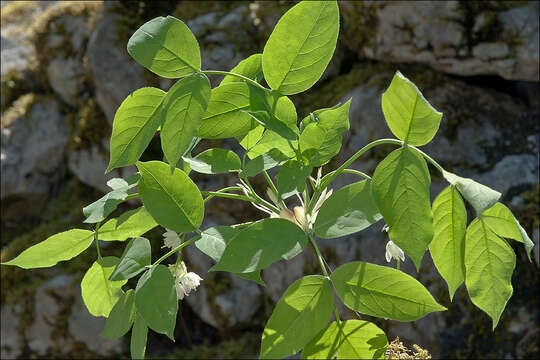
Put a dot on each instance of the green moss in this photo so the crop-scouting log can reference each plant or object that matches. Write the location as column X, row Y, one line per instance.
column 19, row 108
column 87, row 127
column 360, row 28
column 13, row 86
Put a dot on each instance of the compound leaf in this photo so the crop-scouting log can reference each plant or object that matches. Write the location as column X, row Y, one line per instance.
column 301, row 46
column 173, row 200
column 400, row 188
column 215, row 161
column 131, row 224
column 134, row 260
column 166, row 46
column 303, row 310
column 479, row 196
column 134, row 125
column 408, row 114
column 121, row 317
column 382, row 292
column 448, row 245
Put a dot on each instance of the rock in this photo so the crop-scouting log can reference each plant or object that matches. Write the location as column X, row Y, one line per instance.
column 10, row 348
column 85, row 327
column 115, row 76
column 536, row 251
column 511, row 171
column 237, row 304
column 502, row 40
column 89, row 166
column 66, row 78
column 33, row 146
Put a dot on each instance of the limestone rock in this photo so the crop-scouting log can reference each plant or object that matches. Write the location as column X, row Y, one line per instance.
column 503, row 40
column 114, row 74
column 33, row 146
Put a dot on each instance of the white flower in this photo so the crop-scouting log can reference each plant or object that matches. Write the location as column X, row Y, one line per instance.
column 300, row 216
column 171, row 239
column 185, row 282
column 394, row 251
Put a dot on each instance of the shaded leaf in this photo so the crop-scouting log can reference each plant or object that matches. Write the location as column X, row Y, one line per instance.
column 134, row 260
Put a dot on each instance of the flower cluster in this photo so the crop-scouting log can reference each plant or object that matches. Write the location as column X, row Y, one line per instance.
column 184, row 281
column 171, row 239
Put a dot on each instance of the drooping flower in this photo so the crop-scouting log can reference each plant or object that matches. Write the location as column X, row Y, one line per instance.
column 394, row 252
column 171, row 239
column 184, row 281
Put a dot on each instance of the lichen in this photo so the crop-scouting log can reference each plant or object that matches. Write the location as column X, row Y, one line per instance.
column 14, row 84
column 87, row 127
column 19, row 109
column 18, row 12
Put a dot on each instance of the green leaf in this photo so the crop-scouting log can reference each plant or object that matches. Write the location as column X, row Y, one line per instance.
column 260, row 245
column 301, row 46
column 173, row 200
column 134, row 260
column 408, row 114
column 479, row 196
column 104, row 206
column 351, row 339
column 59, row 247
column 321, row 140
column 138, row 338
column 348, row 210
column 489, row 263
column 100, row 294
column 213, row 241
column 156, row 300
column 131, row 224
column 182, row 114
column 251, row 138
column 292, row 178
column 263, row 108
column 503, row 223
column 166, row 47
column 117, row 183
column 382, row 292
column 121, row 317
column 224, row 116
column 303, row 310
column 250, row 68
column 134, row 125
column 263, row 162
column 400, row 188
column 215, row 161
column 448, row 245
column 284, row 110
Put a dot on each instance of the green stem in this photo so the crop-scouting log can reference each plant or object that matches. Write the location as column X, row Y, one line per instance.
column 260, row 200
column 218, row 72
column 428, row 158
column 398, row 264
column 328, row 178
column 242, row 225
column 213, row 194
column 96, row 240
column 273, row 187
column 325, row 272
column 356, row 172
column 178, row 248
column 131, row 196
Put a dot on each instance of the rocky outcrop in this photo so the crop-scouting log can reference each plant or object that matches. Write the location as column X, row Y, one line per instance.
column 462, row 38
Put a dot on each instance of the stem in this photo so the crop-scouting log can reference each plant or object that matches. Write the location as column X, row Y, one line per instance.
column 260, row 200
column 218, row 72
column 222, row 193
column 398, row 264
column 96, row 239
column 131, row 196
column 273, row 187
column 323, row 267
column 428, row 158
column 242, row 225
column 179, row 247
column 356, row 172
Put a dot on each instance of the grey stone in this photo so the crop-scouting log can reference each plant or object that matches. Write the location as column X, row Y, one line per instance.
column 511, row 171
column 89, row 166
column 487, row 51
column 10, row 347
column 115, row 75
column 432, row 33
column 536, row 240
column 32, row 149
column 66, row 77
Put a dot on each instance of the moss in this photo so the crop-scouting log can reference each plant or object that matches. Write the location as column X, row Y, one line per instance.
column 19, row 108
column 360, row 27
column 87, row 127
column 14, row 85
column 18, row 12
column 48, row 24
